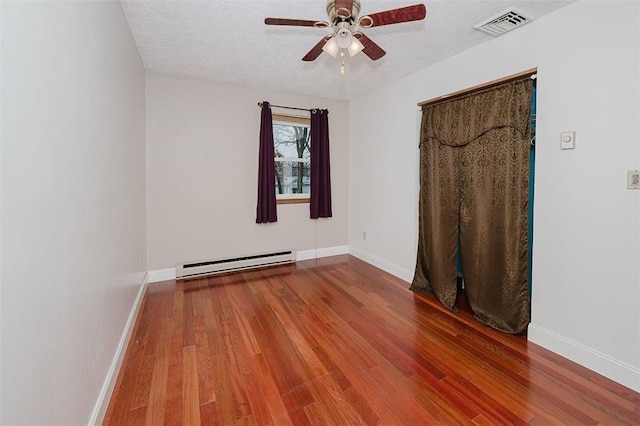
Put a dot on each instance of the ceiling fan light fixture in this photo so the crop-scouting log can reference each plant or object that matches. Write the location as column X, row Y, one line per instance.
column 355, row 47
column 331, row 47
column 343, row 37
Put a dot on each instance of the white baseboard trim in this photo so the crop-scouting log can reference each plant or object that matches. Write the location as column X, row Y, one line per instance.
column 393, row 269
column 321, row 252
column 162, row 275
column 100, row 409
column 614, row 369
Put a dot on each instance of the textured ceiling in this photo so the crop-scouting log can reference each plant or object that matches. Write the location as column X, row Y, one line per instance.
column 226, row 40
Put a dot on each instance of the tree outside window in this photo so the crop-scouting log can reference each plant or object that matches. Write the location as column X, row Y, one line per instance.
column 292, row 145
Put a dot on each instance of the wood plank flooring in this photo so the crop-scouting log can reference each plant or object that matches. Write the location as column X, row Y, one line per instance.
column 337, row 341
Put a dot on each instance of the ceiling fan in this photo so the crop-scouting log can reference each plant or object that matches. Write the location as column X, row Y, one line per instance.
column 346, row 27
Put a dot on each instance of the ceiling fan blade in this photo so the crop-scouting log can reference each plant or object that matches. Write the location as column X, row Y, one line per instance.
column 343, row 8
column 395, row 16
column 371, row 49
column 291, row 22
column 316, row 50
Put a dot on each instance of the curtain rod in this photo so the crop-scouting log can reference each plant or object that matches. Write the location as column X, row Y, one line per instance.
column 286, row 107
column 528, row 73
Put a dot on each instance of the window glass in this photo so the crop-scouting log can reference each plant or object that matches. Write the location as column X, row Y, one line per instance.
column 292, row 145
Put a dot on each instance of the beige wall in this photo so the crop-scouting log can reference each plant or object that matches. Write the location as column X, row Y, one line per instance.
column 73, row 203
column 202, row 161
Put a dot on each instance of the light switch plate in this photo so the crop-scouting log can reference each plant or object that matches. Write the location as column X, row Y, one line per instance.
column 567, row 140
column 633, row 179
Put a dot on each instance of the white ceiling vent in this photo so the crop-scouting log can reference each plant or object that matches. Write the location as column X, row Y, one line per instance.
column 503, row 22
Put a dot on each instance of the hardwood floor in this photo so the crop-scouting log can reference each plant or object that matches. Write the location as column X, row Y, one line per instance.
column 337, row 341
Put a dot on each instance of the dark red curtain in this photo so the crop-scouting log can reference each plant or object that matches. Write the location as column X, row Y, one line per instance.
column 266, row 210
column 320, row 167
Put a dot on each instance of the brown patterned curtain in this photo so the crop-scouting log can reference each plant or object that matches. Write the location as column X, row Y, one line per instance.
column 474, row 180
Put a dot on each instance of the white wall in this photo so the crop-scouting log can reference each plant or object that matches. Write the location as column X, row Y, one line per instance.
column 202, row 160
column 1, row 133
column 586, row 280
column 73, row 203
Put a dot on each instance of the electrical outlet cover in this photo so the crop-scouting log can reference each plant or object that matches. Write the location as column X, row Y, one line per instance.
column 633, row 179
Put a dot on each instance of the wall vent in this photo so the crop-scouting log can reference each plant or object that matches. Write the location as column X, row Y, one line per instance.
column 230, row 264
column 503, row 22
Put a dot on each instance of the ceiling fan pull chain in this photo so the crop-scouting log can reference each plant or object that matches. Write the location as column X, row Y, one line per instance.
column 342, row 66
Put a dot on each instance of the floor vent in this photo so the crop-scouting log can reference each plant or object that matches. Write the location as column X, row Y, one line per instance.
column 230, row 264
column 503, row 22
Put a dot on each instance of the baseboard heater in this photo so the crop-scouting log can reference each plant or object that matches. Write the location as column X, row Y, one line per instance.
column 230, row 264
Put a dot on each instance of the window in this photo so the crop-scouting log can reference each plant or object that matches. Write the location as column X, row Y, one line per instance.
column 292, row 147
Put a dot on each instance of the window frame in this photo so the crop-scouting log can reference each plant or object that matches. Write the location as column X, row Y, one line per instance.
column 295, row 121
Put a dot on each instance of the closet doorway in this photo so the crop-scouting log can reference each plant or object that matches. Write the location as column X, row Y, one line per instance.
column 474, row 207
